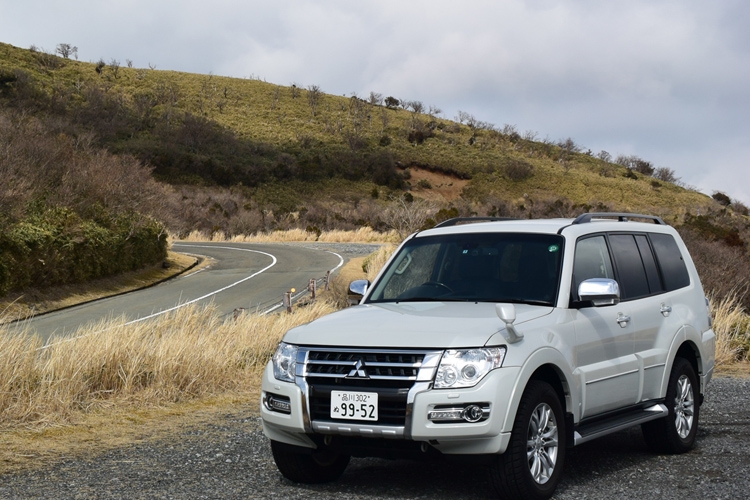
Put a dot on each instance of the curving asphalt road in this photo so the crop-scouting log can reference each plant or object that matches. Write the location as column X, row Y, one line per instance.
column 242, row 275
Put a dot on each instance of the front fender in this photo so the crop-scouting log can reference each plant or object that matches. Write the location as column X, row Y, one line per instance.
column 544, row 357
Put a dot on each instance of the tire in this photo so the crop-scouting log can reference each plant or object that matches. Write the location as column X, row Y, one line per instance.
column 538, row 439
column 677, row 431
column 309, row 468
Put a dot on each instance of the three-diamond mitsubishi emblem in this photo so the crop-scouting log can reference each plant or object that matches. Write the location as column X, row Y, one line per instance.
column 358, row 371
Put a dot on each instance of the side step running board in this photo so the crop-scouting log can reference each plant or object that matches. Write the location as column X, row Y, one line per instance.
column 587, row 432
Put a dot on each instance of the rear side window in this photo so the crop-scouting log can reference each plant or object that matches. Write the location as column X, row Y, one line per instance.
column 673, row 269
column 631, row 272
column 649, row 264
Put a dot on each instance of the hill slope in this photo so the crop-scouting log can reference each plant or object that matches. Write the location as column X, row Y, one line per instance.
column 284, row 145
column 241, row 156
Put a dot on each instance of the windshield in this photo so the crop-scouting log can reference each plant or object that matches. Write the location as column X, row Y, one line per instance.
column 483, row 267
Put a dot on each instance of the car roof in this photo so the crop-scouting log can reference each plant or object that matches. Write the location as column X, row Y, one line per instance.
column 583, row 224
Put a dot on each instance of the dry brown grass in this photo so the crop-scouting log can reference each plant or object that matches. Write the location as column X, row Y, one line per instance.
column 361, row 235
column 732, row 328
column 187, row 354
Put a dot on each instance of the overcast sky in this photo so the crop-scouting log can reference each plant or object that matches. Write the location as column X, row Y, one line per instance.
column 666, row 80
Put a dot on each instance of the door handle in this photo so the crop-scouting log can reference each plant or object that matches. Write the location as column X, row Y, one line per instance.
column 622, row 320
column 665, row 309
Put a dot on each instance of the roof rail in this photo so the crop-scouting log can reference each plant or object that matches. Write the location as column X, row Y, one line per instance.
column 458, row 220
column 622, row 217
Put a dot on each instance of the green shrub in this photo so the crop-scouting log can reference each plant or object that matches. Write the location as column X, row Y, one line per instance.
column 56, row 246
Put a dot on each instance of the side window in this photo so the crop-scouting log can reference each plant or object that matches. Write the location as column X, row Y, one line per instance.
column 652, row 272
column 671, row 262
column 591, row 261
column 630, row 270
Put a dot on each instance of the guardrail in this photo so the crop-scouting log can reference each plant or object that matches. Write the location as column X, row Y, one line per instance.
column 289, row 298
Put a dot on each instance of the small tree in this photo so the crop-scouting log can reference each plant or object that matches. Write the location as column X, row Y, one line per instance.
column 644, row 167
column 666, row 174
column 114, row 65
column 392, row 102
column 722, row 198
column 66, row 50
column 417, row 107
column 375, row 99
column 314, row 95
column 604, row 156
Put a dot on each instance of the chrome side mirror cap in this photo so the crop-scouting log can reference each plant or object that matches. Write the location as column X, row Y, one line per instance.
column 357, row 290
column 599, row 291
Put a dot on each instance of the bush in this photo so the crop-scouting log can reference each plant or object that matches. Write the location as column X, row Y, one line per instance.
column 518, row 170
column 722, row 198
column 56, row 246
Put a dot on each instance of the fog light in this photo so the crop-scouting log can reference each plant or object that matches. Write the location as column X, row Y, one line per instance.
column 472, row 413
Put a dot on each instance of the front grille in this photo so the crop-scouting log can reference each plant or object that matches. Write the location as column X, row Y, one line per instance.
column 400, row 366
column 389, row 373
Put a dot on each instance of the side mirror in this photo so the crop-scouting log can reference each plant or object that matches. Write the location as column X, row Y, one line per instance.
column 507, row 314
column 599, row 291
column 357, row 290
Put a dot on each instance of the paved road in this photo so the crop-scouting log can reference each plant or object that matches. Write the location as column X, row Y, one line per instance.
column 230, row 459
column 251, row 276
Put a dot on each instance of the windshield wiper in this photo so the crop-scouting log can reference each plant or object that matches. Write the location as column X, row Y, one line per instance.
column 519, row 301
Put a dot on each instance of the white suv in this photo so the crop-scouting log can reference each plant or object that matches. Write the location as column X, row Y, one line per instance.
column 509, row 339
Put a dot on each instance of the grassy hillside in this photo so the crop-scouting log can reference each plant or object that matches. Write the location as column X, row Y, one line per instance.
column 211, row 130
column 241, row 156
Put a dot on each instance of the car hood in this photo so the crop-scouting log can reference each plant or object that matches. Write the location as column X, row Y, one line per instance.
column 410, row 324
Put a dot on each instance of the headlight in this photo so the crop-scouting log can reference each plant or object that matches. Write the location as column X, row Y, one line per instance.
column 285, row 362
column 466, row 367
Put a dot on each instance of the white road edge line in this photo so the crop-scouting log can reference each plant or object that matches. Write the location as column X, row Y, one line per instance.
column 190, row 301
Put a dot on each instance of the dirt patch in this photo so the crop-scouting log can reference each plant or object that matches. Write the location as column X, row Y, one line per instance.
column 435, row 186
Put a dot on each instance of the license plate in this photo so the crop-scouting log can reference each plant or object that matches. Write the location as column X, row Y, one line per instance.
column 354, row 405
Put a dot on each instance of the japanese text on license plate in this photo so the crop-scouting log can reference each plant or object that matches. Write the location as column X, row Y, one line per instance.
column 354, row 405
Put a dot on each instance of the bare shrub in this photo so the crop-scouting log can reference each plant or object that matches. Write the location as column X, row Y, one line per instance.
column 604, row 156
column 405, row 216
column 314, row 95
column 740, row 208
column 375, row 99
column 666, row 174
column 66, row 50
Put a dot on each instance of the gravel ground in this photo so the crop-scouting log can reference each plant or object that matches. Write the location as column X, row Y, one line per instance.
column 230, row 458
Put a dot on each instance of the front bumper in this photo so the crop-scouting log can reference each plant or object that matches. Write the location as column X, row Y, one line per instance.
column 488, row 436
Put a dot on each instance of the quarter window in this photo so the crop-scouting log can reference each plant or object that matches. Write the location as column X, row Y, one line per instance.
column 671, row 262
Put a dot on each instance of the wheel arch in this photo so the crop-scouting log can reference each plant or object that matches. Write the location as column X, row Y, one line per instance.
column 685, row 345
column 546, row 365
